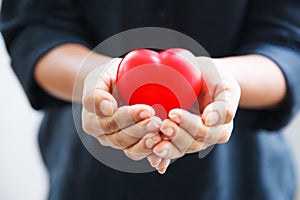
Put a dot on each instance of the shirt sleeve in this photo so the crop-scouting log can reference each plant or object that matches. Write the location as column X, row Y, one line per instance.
column 272, row 29
column 30, row 29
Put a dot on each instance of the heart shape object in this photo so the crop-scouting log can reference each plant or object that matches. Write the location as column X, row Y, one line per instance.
column 164, row 80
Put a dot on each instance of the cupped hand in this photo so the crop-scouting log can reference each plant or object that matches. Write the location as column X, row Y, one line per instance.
column 209, row 122
column 133, row 129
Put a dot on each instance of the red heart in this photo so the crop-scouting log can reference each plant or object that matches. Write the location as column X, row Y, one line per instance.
column 164, row 80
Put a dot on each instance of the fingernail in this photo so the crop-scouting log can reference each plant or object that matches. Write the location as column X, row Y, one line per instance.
column 211, row 118
column 152, row 111
column 150, row 142
column 144, row 114
column 155, row 164
column 147, row 113
column 175, row 117
column 106, row 107
column 156, row 138
column 154, row 125
column 168, row 132
column 163, row 153
column 162, row 170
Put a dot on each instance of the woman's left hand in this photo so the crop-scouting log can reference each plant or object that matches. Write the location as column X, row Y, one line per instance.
column 209, row 122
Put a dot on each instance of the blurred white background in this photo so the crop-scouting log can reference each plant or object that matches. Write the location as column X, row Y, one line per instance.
column 22, row 173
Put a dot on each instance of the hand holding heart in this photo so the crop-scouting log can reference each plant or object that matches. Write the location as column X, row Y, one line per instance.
column 135, row 128
column 191, row 132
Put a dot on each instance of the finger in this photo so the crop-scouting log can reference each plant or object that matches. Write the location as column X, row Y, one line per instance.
column 222, row 87
column 210, row 73
column 226, row 133
column 144, row 147
column 203, row 100
column 166, row 149
column 124, row 116
column 224, row 106
column 217, row 113
column 108, row 78
column 179, row 137
column 100, row 102
column 194, row 126
column 129, row 136
column 90, row 123
column 97, row 96
column 154, row 160
column 182, row 141
column 163, row 165
column 103, row 76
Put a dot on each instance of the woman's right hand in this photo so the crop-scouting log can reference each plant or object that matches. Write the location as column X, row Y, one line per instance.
column 133, row 129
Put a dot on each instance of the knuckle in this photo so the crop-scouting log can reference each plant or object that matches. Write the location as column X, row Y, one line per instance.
column 86, row 126
column 200, row 131
column 123, row 118
column 195, row 147
column 85, row 100
column 129, row 155
column 179, row 155
column 89, row 125
column 229, row 114
column 120, row 141
column 224, row 138
column 226, row 133
column 89, row 101
column 109, row 125
column 103, row 141
column 200, row 134
column 132, row 155
column 133, row 115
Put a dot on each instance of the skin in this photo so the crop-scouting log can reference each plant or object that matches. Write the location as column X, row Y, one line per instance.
column 134, row 129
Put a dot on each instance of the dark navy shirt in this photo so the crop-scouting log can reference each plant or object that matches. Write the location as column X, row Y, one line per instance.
column 254, row 164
